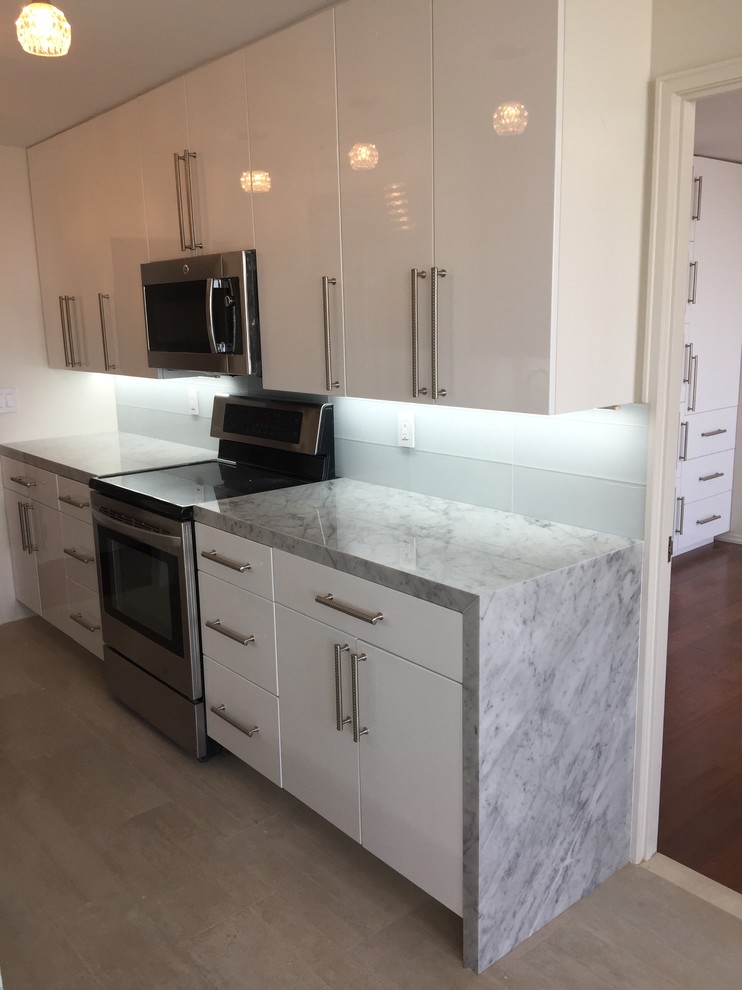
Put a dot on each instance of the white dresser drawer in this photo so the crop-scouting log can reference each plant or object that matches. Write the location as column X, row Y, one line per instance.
column 74, row 498
column 707, row 432
column 78, row 547
column 243, row 718
column 31, row 482
column 83, row 617
column 241, row 562
column 706, row 476
column 409, row 627
column 703, row 520
column 238, row 630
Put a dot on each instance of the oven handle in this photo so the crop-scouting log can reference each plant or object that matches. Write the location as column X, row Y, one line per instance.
column 161, row 541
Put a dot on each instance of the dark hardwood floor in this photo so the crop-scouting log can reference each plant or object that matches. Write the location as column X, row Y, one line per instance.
column 701, row 796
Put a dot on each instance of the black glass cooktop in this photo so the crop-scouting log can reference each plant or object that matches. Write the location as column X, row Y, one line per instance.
column 174, row 491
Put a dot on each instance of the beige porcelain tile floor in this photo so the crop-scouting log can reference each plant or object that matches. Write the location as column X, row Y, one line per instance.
column 126, row 864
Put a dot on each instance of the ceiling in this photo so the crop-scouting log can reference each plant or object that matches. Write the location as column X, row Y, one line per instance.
column 120, row 49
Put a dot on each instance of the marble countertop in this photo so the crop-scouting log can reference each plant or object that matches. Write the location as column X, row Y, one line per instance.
column 448, row 552
column 84, row 457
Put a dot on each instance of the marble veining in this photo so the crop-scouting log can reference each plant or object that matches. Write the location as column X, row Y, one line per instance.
column 81, row 458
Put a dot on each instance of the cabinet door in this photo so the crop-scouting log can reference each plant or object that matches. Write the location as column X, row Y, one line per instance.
column 46, row 532
column 163, row 132
column 217, row 129
column 293, row 137
column 320, row 763
column 384, row 53
column 716, row 315
column 25, row 576
column 411, row 772
column 494, row 200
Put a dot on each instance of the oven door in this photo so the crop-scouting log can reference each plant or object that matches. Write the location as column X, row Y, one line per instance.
column 147, row 583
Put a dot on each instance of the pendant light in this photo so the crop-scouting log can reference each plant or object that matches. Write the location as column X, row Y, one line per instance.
column 43, row 30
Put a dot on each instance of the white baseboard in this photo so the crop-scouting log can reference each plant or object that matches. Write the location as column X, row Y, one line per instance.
column 730, row 538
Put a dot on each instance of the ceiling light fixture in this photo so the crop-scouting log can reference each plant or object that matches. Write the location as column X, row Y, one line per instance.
column 43, row 30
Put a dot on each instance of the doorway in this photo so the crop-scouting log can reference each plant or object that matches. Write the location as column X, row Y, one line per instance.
column 667, row 283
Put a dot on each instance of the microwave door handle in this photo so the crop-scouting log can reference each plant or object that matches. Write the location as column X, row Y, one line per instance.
column 210, row 314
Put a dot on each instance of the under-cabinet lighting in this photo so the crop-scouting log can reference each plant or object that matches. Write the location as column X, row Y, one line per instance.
column 43, row 30
column 510, row 118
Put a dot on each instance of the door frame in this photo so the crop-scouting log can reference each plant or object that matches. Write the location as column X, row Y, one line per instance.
column 667, row 276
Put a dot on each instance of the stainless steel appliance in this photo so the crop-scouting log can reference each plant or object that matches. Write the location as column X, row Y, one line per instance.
column 202, row 314
column 145, row 551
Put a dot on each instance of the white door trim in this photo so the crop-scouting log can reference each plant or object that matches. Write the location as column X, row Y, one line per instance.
column 671, row 179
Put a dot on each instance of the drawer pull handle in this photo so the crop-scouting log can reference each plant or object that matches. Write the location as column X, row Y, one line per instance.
column 83, row 558
column 702, row 522
column 235, row 565
column 26, row 482
column 216, row 625
column 357, row 613
column 713, row 433
column 711, row 477
column 355, row 659
column 341, row 719
column 69, row 500
column 684, row 428
column 221, row 711
column 77, row 617
column 680, row 527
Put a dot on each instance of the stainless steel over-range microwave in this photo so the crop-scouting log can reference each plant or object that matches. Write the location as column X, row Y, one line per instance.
column 201, row 314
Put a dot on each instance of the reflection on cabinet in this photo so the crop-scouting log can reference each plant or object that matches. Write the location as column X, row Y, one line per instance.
column 713, row 349
column 293, row 138
column 91, row 239
column 523, row 300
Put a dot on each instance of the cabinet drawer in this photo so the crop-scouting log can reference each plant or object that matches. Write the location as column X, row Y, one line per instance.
column 228, row 553
column 83, row 617
column 74, row 498
column 706, row 476
column 249, row 707
column 708, row 432
column 239, row 615
column 704, row 519
column 78, row 547
column 418, row 630
column 30, row 481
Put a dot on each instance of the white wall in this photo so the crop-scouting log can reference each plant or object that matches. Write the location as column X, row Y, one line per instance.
column 50, row 403
column 687, row 34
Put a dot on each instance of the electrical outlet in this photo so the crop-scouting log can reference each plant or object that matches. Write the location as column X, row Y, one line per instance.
column 8, row 401
column 406, row 429
column 193, row 401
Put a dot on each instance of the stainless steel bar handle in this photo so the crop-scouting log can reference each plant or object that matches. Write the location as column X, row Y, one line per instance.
column 241, row 638
column 711, row 433
column 82, row 557
column 684, row 426
column 709, row 519
column 698, row 182
column 221, row 711
column 355, row 659
column 179, row 194
column 26, row 482
column 341, row 720
column 358, row 613
column 687, row 358
column 63, row 320
column 104, row 331
column 24, row 535
column 195, row 243
column 693, row 282
column 711, row 477
column 694, row 387
column 233, row 565
column 69, row 500
column 73, row 357
column 32, row 544
column 681, row 525
column 327, row 281
column 435, row 274
column 210, row 314
column 78, row 618
column 415, row 274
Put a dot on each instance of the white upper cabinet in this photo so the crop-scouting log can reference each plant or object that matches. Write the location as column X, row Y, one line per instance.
column 91, row 239
column 216, row 102
column 531, row 297
column 386, row 184
column 293, row 146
